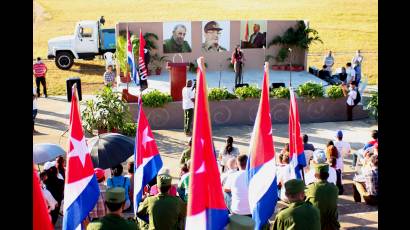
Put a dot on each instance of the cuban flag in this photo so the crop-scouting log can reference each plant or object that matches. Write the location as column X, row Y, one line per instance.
column 130, row 59
column 261, row 167
column 81, row 190
column 146, row 157
column 41, row 218
column 206, row 205
column 296, row 149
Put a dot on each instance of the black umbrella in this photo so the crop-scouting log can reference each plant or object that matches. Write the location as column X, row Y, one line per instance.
column 110, row 149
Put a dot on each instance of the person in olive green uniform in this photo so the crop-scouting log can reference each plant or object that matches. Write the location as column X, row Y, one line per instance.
column 299, row 215
column 115, row 201
column 177, row 43
column 212, row 34
column 186, row 154
column 165, row 211
column 323, row 195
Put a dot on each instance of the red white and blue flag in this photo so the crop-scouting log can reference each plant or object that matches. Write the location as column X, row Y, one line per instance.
column 296, row 149
column 130, row 59
column 261, row 166
column 246, row 33
column 141, row 61
column 206, row 206
column 81, row 190
column 41, row 218
column 146, row 157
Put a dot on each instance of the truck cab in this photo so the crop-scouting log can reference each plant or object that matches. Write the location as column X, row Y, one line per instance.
column 88, row 41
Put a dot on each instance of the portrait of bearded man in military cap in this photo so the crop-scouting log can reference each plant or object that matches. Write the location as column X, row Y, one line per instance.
column 215, row 36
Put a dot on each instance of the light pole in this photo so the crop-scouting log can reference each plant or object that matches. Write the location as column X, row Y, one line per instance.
column 290, row 67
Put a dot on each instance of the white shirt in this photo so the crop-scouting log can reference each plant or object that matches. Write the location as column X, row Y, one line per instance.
column 225, row 157
column 284, row 174
column 236, row 182
column 329, row 61
column 35, row 100
column 187, row 95
column 351, row 97
column 225, row 175
column 357, row 58
column 344, row 149
column 51, row 202
column 351, row 74
column 310, row 176
column 109, row 60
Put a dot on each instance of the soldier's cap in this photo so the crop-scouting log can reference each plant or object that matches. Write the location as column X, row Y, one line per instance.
column 319, row 156
column 115, row 195
column 163, row 180
column 294, row 186
column 238, row 222
column 321, row 168
column 212, row 25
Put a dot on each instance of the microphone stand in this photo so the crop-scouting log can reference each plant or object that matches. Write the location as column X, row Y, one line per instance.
column 220, row 69
column 290, row 68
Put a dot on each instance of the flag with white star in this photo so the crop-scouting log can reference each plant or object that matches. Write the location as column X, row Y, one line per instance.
column 146, row 156
column 206, row 205
column 81, row 189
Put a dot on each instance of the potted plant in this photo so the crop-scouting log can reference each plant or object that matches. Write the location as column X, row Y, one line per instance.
column 300, row 38
column 107, row 113
column 157, row 63
column 193, row 66
column 121, row 54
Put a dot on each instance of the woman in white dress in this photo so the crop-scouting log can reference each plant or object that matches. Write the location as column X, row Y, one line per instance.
column 227, row 152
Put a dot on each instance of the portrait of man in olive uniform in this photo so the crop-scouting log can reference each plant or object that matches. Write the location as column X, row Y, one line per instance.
column 215, row 37
column 177, row 43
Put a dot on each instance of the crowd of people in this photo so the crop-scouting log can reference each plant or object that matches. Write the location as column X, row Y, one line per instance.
column 164, row 204
column 352, row 71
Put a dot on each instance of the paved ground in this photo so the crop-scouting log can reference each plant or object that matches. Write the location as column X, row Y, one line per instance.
column 52, row 120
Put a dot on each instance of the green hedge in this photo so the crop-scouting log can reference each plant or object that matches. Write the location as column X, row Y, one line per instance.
column 248, row 92
column 310, row 90
column 217, row 94
column 156, row 98
column 281, row 92
column 334, row 91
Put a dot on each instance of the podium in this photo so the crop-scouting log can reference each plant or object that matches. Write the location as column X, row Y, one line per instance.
column 177, row 79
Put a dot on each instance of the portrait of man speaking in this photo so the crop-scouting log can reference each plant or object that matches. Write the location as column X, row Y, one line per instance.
column 177, row 42
column 257, row 39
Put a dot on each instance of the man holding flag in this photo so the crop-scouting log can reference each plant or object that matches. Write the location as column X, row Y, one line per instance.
column 296, row 149
column 81, row 189
column 263, row 191
column 206, row 205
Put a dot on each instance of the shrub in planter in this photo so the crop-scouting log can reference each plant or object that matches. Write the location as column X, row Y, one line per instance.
column 217, row 94
column 373, row 105
column 310, row 90
column 129, row 129
column 334, row 91
column 194, row 65
column 107, row 112
column 248, row 92
column 281, row 92
column 156, row 98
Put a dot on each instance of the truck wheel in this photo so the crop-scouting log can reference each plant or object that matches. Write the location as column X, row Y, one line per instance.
column 64, row 60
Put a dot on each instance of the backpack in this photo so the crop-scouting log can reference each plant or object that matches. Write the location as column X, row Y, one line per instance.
column 358, row 98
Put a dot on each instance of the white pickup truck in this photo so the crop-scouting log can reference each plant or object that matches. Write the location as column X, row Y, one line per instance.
column 89, row 40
